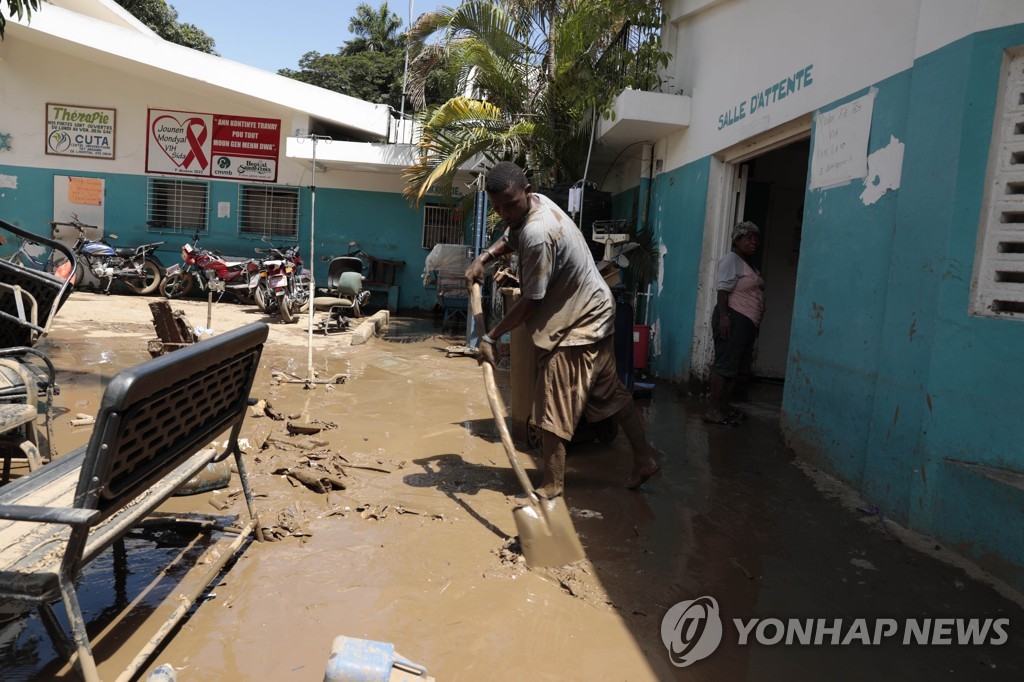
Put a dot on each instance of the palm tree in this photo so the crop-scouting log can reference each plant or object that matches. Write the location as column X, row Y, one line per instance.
column 374, row 30
column 533, row 83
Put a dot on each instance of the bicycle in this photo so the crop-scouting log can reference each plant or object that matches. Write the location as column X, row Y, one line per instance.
column 32, row 258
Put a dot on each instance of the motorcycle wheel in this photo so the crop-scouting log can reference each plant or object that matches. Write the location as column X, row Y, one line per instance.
column 150, row 279
column 79, row 275
column 265, row 300
column 243, row 296
column 284, row 304
column 177, row 285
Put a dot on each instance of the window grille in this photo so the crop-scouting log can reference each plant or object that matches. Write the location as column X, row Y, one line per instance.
column 999, row 266
column 268, row 211
column 179, row 205
column 441, row 226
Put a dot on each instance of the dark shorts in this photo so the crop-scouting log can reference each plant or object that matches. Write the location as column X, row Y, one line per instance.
column 574, row 381
column 736, row 352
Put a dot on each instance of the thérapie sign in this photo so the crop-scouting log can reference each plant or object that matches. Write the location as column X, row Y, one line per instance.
column 73, row 130
column 772, row 93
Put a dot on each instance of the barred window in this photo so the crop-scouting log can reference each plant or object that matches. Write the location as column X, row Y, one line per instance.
column 179, row 205
column 998, row 286
column 268, row 211
column 441, row 225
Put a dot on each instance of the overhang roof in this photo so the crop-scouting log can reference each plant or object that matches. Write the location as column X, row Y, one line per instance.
column 97, row 32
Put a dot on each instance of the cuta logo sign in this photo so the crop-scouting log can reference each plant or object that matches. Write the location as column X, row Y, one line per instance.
column 59, row 141
column 691, row 630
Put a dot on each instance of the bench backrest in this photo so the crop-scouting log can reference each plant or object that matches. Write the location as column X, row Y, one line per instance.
column 156, row 415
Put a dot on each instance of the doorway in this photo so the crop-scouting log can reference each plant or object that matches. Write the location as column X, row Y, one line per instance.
column 775, row 187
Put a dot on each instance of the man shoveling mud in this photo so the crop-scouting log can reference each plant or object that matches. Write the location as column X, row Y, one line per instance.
column 569, row 311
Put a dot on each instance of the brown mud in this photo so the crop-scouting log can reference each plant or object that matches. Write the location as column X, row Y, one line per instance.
column 393, row 522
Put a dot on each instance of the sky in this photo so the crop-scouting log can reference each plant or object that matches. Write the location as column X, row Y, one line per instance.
column 275, row 35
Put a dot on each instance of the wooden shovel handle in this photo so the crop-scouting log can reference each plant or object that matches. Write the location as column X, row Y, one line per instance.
column 497, row 405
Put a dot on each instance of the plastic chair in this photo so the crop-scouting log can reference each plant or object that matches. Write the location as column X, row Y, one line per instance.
column 344, row 304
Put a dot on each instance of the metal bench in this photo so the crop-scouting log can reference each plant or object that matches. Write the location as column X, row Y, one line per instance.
column 153, row 433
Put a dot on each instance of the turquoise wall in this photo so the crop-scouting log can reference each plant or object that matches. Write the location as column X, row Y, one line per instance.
column 381, row 222
column 891, row 384
column 839, row 308
column 677, row 216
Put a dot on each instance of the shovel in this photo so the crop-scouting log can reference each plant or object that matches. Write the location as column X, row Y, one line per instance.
column 546, row 533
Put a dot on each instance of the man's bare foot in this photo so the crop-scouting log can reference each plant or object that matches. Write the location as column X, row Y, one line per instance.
column 642, row 472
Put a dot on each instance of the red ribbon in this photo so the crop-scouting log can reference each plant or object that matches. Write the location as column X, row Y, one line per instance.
column 195, row 143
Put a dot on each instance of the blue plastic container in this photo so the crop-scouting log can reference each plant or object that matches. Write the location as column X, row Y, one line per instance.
column 364, row 660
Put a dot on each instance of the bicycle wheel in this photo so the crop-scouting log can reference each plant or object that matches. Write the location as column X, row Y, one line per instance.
column 148, row 282
column 177, row 285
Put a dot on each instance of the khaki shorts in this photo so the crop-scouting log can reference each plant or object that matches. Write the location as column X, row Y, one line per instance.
column 575, row 381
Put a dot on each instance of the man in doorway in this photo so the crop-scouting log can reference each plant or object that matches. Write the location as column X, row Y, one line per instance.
column 569, row 311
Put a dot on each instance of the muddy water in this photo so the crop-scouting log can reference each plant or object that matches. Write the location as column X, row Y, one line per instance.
column 414, row 551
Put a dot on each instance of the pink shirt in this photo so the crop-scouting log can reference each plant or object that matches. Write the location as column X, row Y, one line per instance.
column 744, row 284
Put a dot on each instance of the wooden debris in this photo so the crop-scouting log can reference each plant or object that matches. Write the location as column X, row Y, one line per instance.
column 303, row 428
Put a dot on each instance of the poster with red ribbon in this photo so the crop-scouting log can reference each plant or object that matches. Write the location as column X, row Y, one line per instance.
column 213, row 145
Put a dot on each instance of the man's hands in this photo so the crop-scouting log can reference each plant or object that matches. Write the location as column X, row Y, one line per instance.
column 485, row 353
column 475, row 271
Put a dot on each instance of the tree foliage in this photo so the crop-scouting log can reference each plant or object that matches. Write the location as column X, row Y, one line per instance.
column 374, row 30
column 534, row 75
column 18, row 8
column 370, row 76
column 371, row 65
column 163, row 20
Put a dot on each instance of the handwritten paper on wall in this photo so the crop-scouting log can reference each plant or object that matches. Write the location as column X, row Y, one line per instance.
column 841, row 143
column 85, row 191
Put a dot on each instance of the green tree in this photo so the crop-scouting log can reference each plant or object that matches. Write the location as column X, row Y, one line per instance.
column 374, row 30
column 534, row 75
column 371, row 65
column 369, row 76
column 18, row 8
column 163, row 20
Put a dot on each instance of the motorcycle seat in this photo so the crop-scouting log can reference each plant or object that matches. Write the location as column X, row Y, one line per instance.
column 124, row 251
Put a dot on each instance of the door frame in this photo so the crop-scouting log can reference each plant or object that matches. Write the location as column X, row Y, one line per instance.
column 726, row 194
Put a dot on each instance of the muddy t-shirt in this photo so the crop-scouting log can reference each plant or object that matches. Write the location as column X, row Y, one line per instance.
column 557, row 269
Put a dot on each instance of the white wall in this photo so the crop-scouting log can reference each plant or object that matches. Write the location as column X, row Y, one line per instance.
column 734, row 50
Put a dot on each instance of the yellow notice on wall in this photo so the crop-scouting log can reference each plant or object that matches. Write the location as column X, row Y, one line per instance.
column 85, row 191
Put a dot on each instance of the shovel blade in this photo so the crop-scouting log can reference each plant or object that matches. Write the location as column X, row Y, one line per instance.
column 547, row 535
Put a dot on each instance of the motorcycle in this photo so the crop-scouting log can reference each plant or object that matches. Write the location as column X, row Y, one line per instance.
column 208, row 271
column 281, row 283
column 100, row 264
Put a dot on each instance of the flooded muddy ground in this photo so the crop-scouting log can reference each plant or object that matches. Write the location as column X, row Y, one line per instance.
column 416, row 548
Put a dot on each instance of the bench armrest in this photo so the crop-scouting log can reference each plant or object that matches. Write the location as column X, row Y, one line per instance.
column 70, row 517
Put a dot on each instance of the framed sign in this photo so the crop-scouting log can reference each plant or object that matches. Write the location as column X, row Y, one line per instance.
column 73, row 130
column 212, row 145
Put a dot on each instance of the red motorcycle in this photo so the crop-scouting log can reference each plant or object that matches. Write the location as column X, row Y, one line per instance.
column 209, row 271
column 283, row 284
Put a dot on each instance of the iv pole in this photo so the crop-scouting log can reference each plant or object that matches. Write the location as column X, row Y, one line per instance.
column 310, row 376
